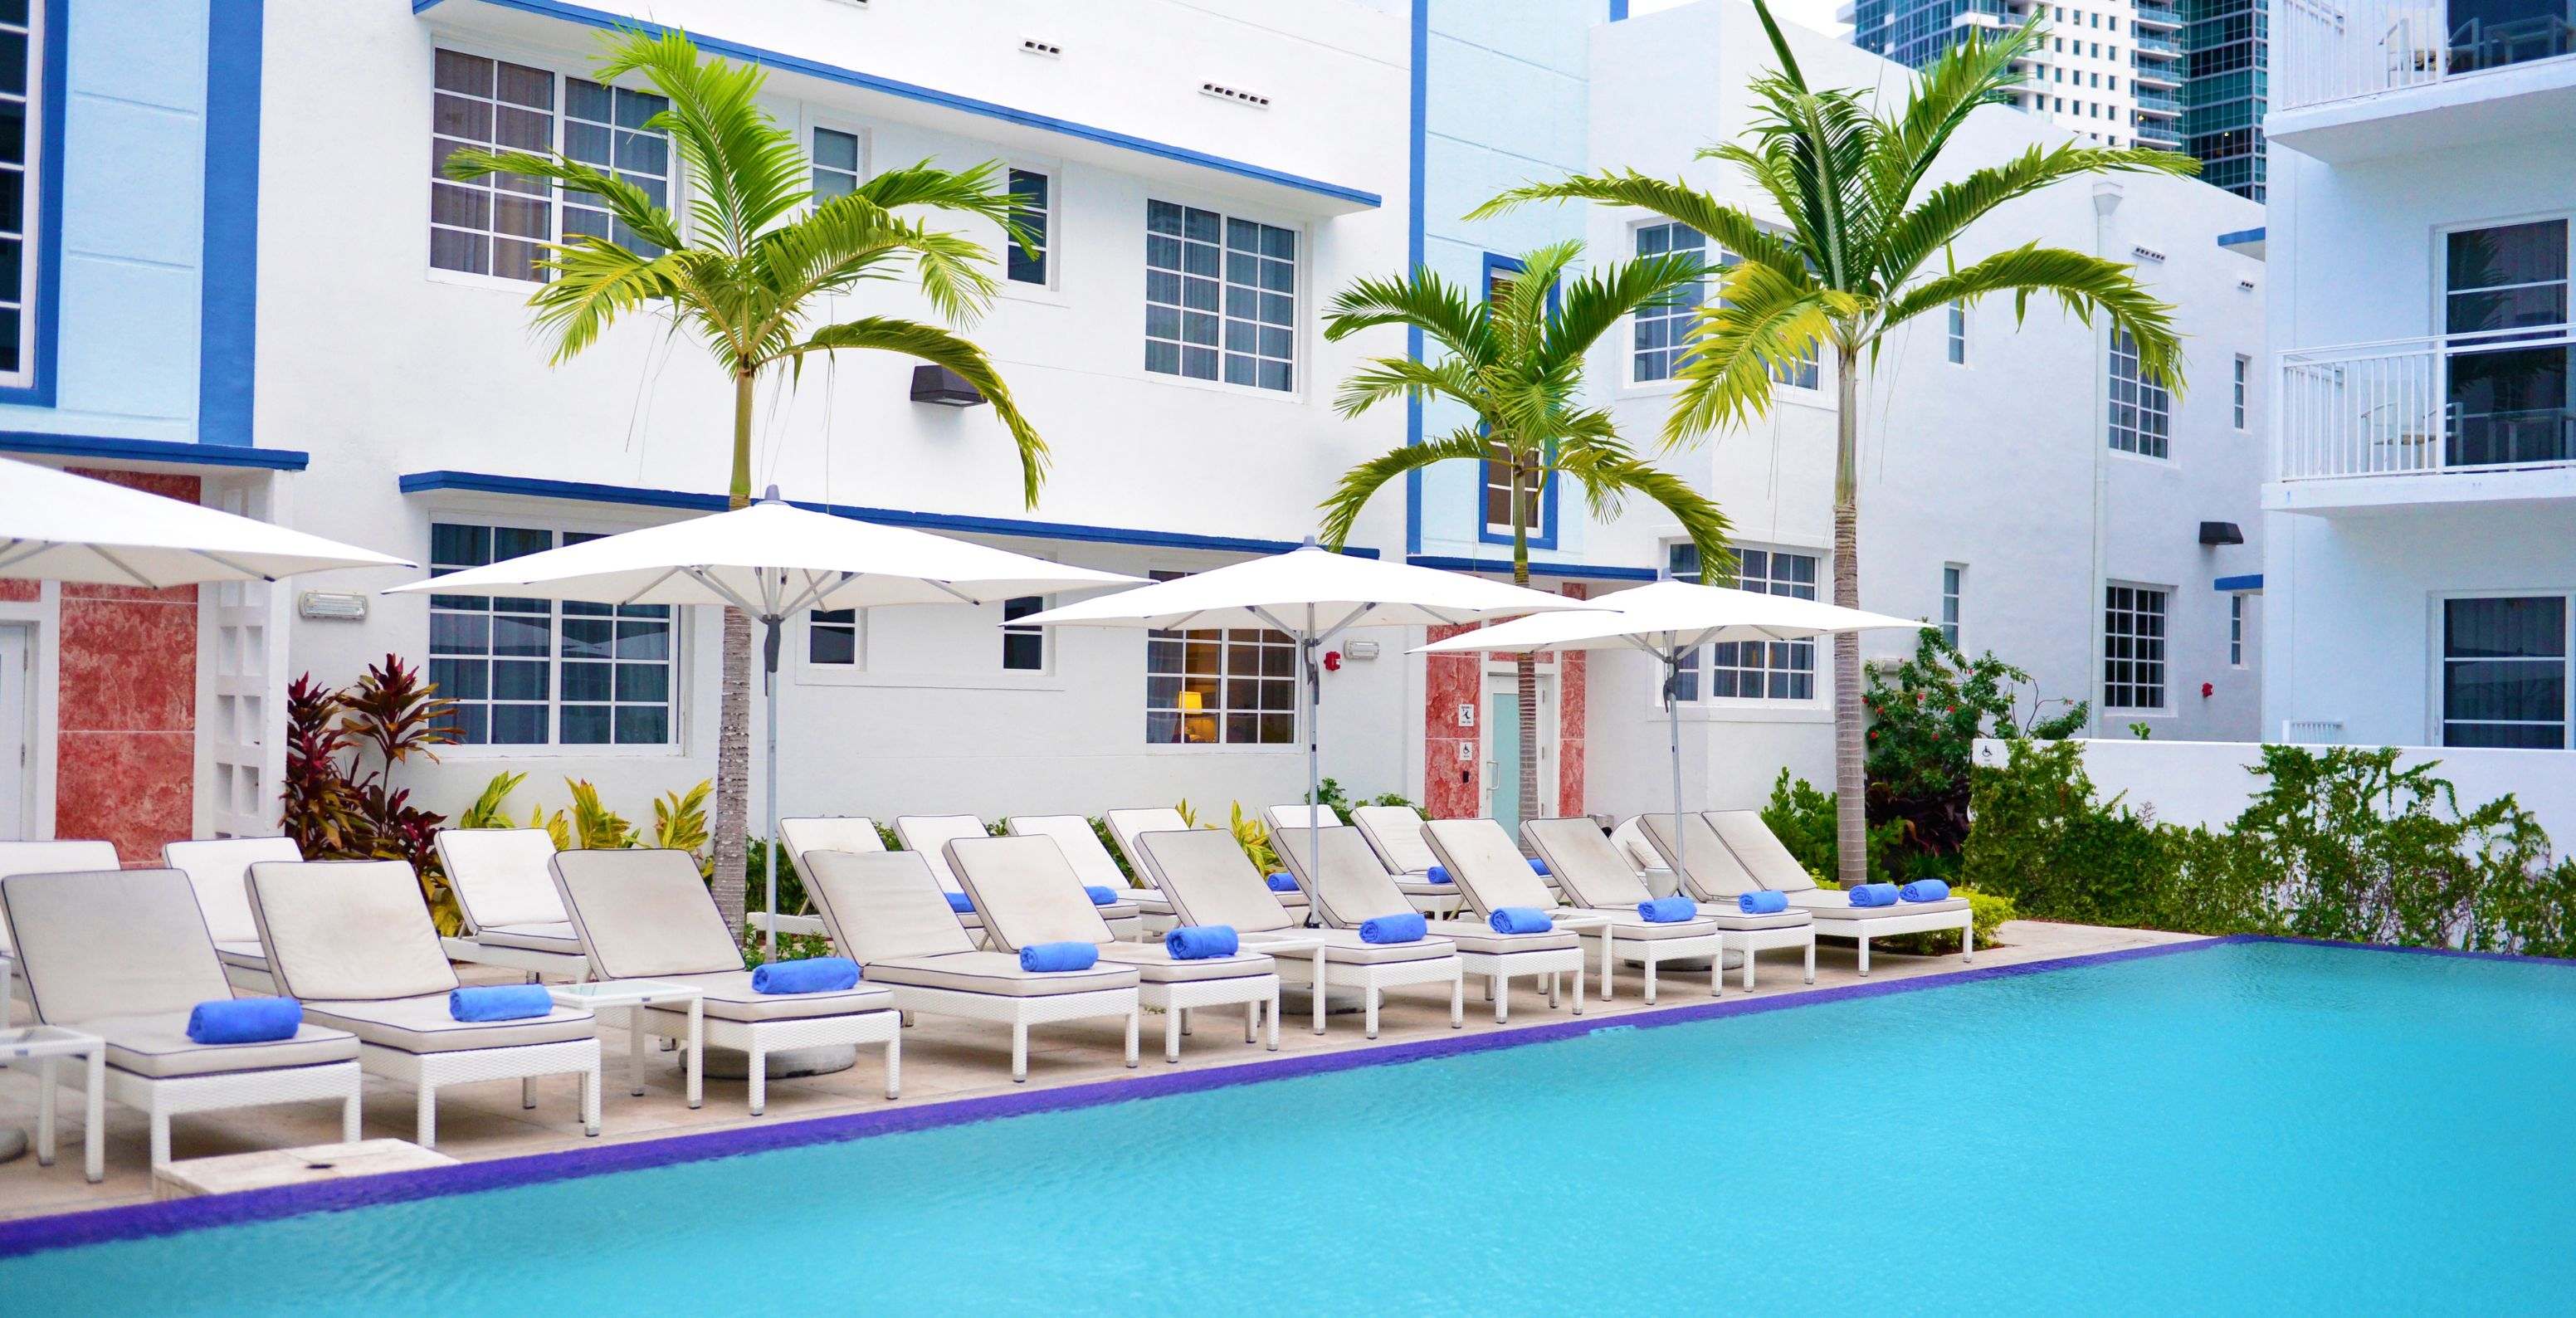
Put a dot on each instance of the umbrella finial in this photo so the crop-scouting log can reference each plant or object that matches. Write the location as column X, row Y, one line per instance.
column 1310, row 542
column 770, row 495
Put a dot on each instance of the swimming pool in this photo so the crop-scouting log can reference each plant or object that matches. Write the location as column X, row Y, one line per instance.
column 2236, row 1125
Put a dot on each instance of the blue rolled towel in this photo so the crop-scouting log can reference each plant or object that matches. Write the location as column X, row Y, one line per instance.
column 813, row 974
column 1406, row 928
column 244, row 1020
column 1520, row 920
column 1874, row 894
column 1667, row 910
column 1058, row 956
column 1198, row 942
column 1538, row 867
column 1435, row 874
column 1924, row 890
column 961, row 903
column 1100, row 896
column 1282, row 883
column 499, row 1002
column 1765, row 902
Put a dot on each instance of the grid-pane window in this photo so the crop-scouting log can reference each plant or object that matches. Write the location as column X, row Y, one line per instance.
column 1659, row 352
column 1023, row 648
column 2141, row 411
column 1767, row 670
column 832, row 637
column 1220, row 686
column 1497, row 467
column 21, row 94
column 2504, row 672
column 1954, row 585
column 1220, row 297
column 836, row 164
column 2236, row 631
column 532, row 672
column 2508, row 403
column 2133, row 647
column 1957, row 339
column 2244, row 373
column 498, row 224
column 1030, row 205
column 604, row 127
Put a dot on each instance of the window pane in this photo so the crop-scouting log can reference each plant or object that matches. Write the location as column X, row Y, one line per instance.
column 1241, row 273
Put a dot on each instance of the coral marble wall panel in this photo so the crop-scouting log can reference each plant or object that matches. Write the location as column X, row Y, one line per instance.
column 1569, row 720
column 1451, row 757
column 127, row 705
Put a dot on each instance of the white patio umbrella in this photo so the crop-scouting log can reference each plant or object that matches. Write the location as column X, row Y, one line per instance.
column 55, row 526
column 1313, row 595
column 773, row 561
column 1668, row 620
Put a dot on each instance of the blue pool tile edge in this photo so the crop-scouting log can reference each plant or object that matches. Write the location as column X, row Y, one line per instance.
column 134, row 1221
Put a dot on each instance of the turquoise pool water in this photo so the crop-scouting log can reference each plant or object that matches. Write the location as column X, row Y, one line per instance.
column 2251, row 1126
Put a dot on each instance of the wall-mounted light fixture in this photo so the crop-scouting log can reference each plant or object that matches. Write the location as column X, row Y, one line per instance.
column 2221, row 533
column 331, row 606
column 943, row 387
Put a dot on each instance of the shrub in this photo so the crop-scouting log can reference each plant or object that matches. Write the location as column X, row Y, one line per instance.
column 1329, row 793
column 1802, row 817
column 1926, row 714
column 1990, row 910
column 338, row 808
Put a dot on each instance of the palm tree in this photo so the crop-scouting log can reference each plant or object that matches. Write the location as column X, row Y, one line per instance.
column 1867, row 247
column 751, row 275
column 1515, row 360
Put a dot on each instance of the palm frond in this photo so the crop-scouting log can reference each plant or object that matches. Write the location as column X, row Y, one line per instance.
column 748, row 171
column 626, row 202
column 1596, row 303
column 1727, row 226
column 1971, row 74
column 1382, row 379
column 1608, row 475
column 936, row 345
column 2079, row 281
column 1947, row 210
column 1739, row 345
column 1457, row 322
column 1342, row 507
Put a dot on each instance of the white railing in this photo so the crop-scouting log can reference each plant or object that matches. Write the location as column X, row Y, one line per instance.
column 2421, row 406
column 2331, row 50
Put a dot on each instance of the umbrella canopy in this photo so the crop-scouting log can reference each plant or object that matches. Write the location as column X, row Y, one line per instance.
column 772, row 559
column 55, row 526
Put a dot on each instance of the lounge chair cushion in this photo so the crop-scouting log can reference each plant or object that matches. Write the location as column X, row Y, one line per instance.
column 1711, row 872
column 1586, row 864
column 1484, row 861
column 1472, row 936
column 422, row 1025
column 58, row 857
column 1395, row 831
column 1128, row 827
column 728, row 996
column 882, row 905
column 931, row 834
column 1210, row 881
column 501, row 877
column 1757, row 850
column 997, row 973
column 1832, row 904
column 557, row 937
column 854, row 833
column 111, row 943
column 347, row 930
column 1344, row 947
column 1026, row 891
column 1634, row 928
column 1081, row 847
column 1732, row 919
column 645, row 914
column 158, row 1046
column 1351, row 887
column 243, row 956
column 217, row 870
column 1155, row 964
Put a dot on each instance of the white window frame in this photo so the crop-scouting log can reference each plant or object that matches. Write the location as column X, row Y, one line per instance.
column 31, row 203
column 2164, row 660
column 1954, row 600
column 2152, row 400
column 1702, row 662
column 1050, row 251
column 827, row 124
column 2236, row 629
column 2437, row 714
column 682, row 624
column 1955, row 336
column 1681, row 319
column 2243, row 385
column 1301, row 360
column 675, row 197
column 860, row 672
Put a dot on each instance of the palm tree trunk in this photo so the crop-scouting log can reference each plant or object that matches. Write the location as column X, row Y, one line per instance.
column 1851, row 779
column 1525, row 666
column 733, row 712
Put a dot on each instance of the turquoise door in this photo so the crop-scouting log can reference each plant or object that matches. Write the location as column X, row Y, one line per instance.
column 1503, row 772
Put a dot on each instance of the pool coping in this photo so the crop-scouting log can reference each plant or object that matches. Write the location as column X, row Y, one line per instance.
column 49, row 1232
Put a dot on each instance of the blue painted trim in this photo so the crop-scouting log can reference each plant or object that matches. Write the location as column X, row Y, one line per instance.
column 1485, row 533
column 36, row 1235
column 423, row 482
column 784, row 62
column 1618, row 11
column 2241, row 236
column 56, row 57
column 1418, row 113
column 153, row 450
column 228, row 309
column 2250, row 581
column 1579, row 571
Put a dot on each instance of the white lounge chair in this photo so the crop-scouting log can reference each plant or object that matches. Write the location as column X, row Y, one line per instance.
column 1492, row 873
column 219, row 871
column 647, row 914
column 1092, row 863
column 505, row 888
column 1211, row 882
column 931, row 834
column 353, row 940
column 1750, row 844
column 1593, row 873
column 1629, row 838
column 886, row 911
column 1351, row 888
column 855, row 833
column 50, row 857
column 1125, row 826
column 124, row 955
column 1410, row 878
column 1030, row 894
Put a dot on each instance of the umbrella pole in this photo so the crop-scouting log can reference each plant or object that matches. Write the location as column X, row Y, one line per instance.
column 769, row 777
column 1673, row 723
column 1306, row 644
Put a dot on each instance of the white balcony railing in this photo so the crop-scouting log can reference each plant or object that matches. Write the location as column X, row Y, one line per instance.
column 2331, row 50
column 2464, row 402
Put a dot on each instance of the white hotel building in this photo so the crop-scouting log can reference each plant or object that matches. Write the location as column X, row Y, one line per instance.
column 338, row 339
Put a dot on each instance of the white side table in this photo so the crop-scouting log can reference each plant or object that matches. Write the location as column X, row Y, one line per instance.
column 632, row 996
column 47, row 1046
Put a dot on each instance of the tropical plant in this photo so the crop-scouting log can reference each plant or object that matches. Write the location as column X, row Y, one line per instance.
column 1515, row 360
column 595, row 827
column 1925, row 716
column 680, row 824
column 1867, row 246
column 761, row 261
column 1248, row 831
column 1330, row 795
column 491, row 808
column 335, row 806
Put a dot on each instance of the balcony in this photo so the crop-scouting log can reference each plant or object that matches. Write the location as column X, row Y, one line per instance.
column 2163, row 103
column 2155, row 46
column 2367, row 79
column 2467, row 418
column 2156, row 15
column 2156, row 132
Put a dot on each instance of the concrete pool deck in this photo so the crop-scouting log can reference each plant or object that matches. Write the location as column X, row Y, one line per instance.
column 944, row 1060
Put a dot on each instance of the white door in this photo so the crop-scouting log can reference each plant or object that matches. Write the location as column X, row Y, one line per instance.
column 1503, row 748
column 17, row 743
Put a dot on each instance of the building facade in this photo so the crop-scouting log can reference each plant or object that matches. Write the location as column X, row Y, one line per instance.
column 291, row 313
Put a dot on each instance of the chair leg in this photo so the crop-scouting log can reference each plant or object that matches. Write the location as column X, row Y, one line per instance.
column 160, row 1139
column 1274, row 1020
column 1578, row 993
column 1864, row 955
column 1251, row 1021
column 1811, row 960
column 425, row 1117
column 527, row 1091
column 1651, row 964
column 1019, row 1052
column 1172, row 1035
column 756, row 1075
column 1375, row 994
column 590, row 1087
column 1457, row 1004
column 894, row 1066
column 1968, row 942
column 1750, row 959
column 1499, row 988
column 349, row 1133
column 1135, row 1024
